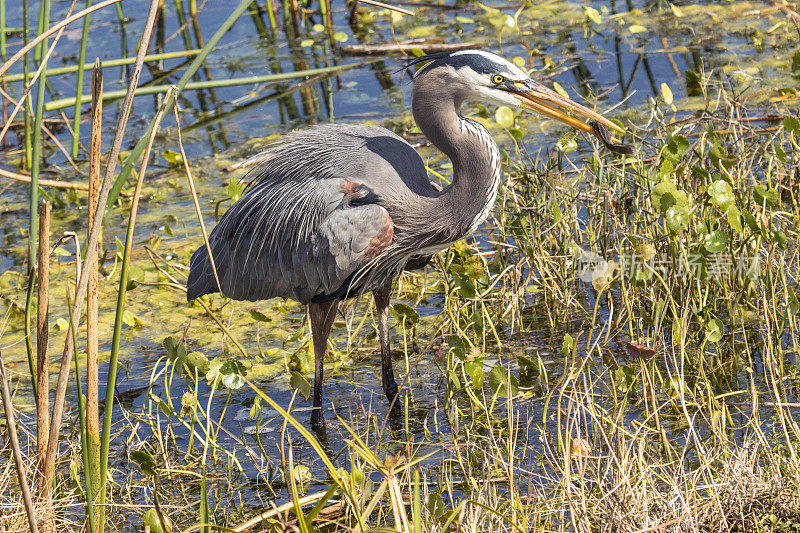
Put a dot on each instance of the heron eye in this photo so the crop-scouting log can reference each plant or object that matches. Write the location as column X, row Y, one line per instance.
column 498, row 79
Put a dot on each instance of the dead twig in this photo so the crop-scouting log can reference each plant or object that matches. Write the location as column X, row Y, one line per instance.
column 12, row 434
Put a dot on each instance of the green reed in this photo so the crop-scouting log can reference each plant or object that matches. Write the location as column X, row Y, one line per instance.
column 76, row 120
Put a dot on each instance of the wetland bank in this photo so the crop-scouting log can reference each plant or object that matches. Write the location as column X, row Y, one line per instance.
column 614, row 350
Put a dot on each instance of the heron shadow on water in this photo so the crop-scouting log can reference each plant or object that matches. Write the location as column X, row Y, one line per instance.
column 339, row 210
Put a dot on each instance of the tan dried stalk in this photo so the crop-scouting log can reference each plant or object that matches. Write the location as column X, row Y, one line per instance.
column 42, row 358
column 92, row 310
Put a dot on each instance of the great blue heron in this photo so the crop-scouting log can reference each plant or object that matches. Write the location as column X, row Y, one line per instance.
column 337, row 210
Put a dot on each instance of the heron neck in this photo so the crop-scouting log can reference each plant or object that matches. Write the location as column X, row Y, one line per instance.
column 475, row 157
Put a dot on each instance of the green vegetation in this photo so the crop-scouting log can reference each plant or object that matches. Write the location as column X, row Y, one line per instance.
column 616, row 350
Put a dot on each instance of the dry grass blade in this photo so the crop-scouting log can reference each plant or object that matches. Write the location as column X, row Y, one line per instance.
column 48, row 183
column 12, row 433
column 385, row 6
column 194, row 197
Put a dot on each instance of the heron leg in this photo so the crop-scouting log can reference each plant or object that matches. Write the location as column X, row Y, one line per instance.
column 382, row 305
column 322, row 316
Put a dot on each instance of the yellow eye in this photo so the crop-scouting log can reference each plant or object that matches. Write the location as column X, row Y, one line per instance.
column 498, row 79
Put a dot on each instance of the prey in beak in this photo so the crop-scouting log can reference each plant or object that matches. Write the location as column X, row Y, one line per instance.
column 536, row 97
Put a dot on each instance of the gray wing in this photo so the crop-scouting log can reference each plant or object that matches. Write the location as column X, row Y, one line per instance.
column 305, row 224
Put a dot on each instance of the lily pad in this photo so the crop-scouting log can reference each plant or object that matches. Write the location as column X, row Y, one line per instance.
column 721, row 194
column 502, row 382
column 716, row 241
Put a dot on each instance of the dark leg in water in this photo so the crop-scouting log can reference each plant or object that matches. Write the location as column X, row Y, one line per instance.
column 322, row 316
column 382, row 305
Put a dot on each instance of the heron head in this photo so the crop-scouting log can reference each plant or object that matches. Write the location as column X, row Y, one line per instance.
column 486, row 77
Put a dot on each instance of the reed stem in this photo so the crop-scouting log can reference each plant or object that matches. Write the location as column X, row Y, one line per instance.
column 3, row 30
column 44, row 20
column 92, row 307
column 25, row 76
column 190, row 70
column 76, row 119
column 80, row 292
column 42, row 357
column 111, row 63
column 157, row 89
column 123, row 283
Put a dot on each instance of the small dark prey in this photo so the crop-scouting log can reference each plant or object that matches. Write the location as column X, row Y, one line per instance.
column 338, row 210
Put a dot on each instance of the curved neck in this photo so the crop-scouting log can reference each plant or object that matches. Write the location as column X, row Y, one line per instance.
column 474, row 154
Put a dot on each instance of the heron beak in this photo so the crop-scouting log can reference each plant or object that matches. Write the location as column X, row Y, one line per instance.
column 536, row 97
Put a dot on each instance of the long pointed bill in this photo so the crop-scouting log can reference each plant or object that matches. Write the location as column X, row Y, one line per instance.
column 545, row 101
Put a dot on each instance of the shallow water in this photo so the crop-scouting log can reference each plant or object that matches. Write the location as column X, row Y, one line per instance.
column 623, row 62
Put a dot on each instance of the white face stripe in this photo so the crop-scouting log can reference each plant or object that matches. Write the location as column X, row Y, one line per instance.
column 504, row 67
column 511, row 70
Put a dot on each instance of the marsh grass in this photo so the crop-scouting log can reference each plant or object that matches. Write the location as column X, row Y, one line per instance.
column 617, row 351
column 659, row 398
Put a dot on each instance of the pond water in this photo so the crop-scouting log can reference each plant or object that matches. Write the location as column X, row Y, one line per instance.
column 623, row 63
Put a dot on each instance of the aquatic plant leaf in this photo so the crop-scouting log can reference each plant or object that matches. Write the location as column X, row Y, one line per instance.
column 792, row 124
column 458, row 346
column 235, row 189
column 161, row 404
column 792, row 302
column 721, row 194
column 502, row 382
column 504, row 116
column 665, row 195
column 677, row 217
column 639, row 351
column 436, row 505
column 299, row 383
column 567, row 345
column 796, row 63
column 637, row 28
column 175, row 159
column 131, row 320
column 197, row 361
column 693, row 87
column 135, row 277
column 566, row 144
column 764, row 195
column 624, row 378
column 188, row 403
column 666, row 94
column 716, row 241
column 474, row 369
column 750, row 220
column 405, row 314
column 780, row 239
column 151, row 520
column 144, row 461
column 258, row 316
column 592, row 14
column 734, row 218
column 676, row 10
column 560, row 90
column 714, row 330
column 233, row 381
